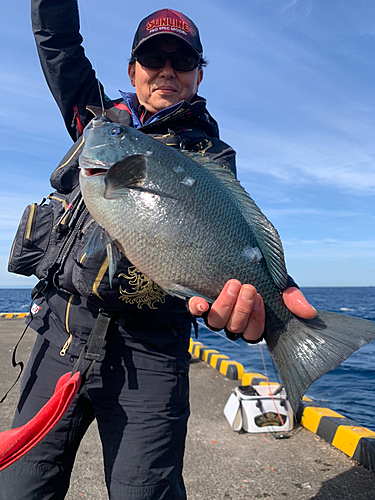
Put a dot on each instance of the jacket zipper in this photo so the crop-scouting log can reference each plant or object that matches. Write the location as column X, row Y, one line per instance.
column 65, row 347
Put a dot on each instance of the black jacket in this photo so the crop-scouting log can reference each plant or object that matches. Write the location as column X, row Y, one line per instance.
column 74, row 86
column 69, row 308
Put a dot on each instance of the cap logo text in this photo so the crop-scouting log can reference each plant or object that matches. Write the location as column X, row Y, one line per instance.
column 167, row 22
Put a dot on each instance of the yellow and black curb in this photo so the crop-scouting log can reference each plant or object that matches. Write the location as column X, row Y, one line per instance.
column 355, row 441
column 13, row 315
column 344, row 434
column 220, row 362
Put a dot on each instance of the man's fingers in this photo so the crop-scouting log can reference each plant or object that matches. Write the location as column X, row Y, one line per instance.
column 239, row 308
column 255, row 326
column 296, row 302
column 221, row 309
column 197, row 306
column 239, row 317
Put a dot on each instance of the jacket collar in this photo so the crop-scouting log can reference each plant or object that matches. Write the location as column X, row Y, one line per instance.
column 128, row 111
column 181, row 110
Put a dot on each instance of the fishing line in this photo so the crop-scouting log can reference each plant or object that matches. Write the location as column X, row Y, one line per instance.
column 246, row 348
column 93, row 55
column 269, row 385
column 264, row 365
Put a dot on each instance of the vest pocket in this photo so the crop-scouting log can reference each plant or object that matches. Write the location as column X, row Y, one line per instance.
column 31, row 240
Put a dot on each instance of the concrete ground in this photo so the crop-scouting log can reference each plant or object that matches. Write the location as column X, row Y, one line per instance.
column 219, row 463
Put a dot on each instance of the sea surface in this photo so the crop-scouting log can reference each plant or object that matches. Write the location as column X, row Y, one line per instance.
column 349, row 389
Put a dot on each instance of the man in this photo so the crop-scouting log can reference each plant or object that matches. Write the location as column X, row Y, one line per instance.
column 138, row 391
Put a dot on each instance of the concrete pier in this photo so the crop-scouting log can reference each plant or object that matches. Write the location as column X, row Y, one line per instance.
column 219, row 463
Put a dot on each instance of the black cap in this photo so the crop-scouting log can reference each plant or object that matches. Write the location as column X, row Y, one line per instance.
column 168, row 22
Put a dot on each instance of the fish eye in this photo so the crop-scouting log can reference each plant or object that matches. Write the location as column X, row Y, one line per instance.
column 116, row 130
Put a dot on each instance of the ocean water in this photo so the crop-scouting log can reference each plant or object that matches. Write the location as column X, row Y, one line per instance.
column 15, row 299
column 349, row 389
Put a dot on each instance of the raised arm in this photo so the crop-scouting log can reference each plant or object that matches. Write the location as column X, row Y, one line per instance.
column 67, row 70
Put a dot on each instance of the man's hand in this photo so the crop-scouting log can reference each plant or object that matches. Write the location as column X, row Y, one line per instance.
column 296, row 303
column 240, row 309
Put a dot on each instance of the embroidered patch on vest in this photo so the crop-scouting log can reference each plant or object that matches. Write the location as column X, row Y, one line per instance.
column 202, row 146
column 145, row 291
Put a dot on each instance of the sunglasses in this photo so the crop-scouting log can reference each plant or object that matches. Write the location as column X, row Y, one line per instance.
column 157, row 58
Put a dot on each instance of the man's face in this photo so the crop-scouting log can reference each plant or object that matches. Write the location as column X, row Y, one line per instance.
column 158, row 89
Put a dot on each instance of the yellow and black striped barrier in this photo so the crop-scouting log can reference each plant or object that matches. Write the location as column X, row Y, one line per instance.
column 220, row 362
column 13, row 315
column 355, row 441
column 347, row 436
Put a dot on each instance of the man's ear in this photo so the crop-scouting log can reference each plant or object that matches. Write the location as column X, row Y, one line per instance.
column 131, row 73
column 199, row 78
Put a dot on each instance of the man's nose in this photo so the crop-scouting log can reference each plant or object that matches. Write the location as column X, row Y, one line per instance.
column 167, row 69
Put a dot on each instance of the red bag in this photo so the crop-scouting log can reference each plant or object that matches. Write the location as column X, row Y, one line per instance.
column 16, row 442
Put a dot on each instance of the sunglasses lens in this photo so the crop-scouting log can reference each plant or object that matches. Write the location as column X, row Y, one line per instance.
column 183, row 62
column 157, row 58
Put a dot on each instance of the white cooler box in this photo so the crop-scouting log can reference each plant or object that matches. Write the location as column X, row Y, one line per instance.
column 259, row 408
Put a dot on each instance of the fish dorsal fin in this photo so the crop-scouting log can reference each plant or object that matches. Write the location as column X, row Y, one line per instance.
column 128, row 173
column 267, row 236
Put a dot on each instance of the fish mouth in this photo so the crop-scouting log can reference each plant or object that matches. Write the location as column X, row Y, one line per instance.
column 90, row 172
column 90, row 166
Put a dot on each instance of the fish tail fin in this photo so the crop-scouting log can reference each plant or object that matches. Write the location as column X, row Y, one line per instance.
column 311, row 348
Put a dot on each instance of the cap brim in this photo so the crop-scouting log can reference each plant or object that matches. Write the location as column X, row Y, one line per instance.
column 174, row 35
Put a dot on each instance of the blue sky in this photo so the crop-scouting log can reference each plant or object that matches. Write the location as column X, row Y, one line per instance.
column 291, row 83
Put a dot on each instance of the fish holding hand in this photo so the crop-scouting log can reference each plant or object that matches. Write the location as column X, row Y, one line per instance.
column 187, row 224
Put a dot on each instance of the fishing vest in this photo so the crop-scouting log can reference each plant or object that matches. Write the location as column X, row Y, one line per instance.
column 52, row 236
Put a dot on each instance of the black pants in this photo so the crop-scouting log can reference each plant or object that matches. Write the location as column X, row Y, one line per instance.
column 141, row 415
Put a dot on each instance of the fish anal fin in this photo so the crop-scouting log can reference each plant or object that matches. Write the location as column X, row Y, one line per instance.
column 184, row 292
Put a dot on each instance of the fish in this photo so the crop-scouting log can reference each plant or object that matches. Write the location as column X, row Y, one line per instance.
column 188, row 224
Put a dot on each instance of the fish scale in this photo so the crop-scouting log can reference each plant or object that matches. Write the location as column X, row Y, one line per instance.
column 188, row 225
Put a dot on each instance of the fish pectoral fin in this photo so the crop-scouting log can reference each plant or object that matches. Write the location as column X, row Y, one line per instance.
column 114, row 256
column 311, row 348
column 97, row 241
column 125, row 174
column 100, row 240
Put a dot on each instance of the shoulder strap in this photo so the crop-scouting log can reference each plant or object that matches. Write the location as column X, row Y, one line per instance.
column 65, row 176
column 78, row 215
column 93, row 347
